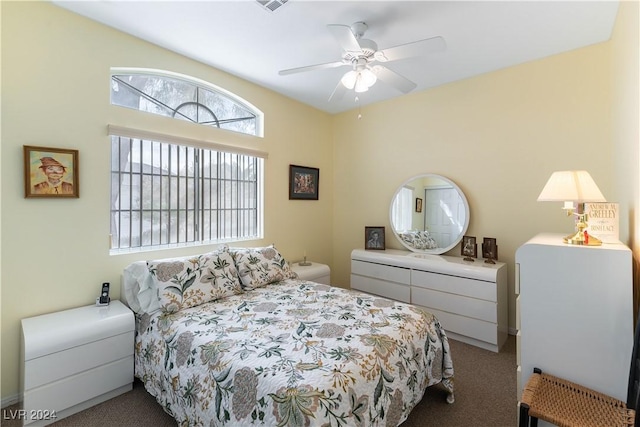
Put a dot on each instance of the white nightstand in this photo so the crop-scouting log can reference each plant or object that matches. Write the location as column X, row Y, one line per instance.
column 315, row 272
column 74, row 359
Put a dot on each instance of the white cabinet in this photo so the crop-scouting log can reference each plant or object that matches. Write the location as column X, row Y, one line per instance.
column 315, row 272
column 575, row 313
column 74, row 359
column 468, row 298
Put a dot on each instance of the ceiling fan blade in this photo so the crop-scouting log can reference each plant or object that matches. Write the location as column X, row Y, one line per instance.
column 311, row 68
column 408, row 50
column 345, row 37
column 393, row 79
column 338, row 92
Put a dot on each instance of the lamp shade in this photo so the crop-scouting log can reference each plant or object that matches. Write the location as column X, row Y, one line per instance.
column 575, row 186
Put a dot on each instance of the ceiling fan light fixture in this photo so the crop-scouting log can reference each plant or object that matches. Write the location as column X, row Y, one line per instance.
column 360, row 86
column 361, row 80
column 368, row 77
column 349, row 79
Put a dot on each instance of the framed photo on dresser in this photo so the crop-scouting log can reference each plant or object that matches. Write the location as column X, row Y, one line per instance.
column 489, row 248
column 374, row 238
column 469, row 247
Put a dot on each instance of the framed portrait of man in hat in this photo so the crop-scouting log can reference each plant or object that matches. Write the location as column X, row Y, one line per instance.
column 50, row 172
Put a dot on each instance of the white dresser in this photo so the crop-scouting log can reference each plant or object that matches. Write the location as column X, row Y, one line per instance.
column 74, row 359
column 468, row 298
column 575, row 313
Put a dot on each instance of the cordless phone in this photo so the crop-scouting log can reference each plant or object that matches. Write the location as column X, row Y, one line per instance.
column 104, row 295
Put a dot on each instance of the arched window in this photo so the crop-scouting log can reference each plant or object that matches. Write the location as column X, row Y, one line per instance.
column 171, row 190
column 184, row 98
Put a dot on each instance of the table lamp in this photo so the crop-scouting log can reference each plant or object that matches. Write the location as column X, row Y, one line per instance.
column 570, row 187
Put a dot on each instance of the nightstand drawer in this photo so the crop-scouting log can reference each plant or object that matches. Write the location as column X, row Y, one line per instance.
column 53, row 332
column 52, row 367
column 455, row 285
column 81, row 387
column 469, row 307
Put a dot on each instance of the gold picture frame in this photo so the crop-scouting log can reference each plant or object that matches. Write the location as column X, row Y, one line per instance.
column 50, row 172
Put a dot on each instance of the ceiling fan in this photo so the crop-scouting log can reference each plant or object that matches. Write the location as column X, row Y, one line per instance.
column 363, row 54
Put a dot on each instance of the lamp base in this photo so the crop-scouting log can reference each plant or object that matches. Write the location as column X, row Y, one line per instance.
column 579, row 238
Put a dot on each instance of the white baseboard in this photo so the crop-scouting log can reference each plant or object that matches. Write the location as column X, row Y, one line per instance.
column 11, row 400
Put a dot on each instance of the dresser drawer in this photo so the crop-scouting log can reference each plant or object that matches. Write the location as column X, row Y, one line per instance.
column 390, row 290
column 52, row 367
column 477, row 329
column 455, row 285
column 468, row 307
column 380, row 271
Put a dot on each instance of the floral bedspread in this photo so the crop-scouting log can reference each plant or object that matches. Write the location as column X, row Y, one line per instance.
column 293, row 353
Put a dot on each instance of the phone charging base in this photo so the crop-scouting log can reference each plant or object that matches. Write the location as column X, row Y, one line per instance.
column 100, row 304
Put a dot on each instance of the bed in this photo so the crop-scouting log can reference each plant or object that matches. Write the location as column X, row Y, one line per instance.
column 233, row 338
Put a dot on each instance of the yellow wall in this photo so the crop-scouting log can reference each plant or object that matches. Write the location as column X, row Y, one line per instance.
column 498, row 136
column 55, row 93
column 625, row 127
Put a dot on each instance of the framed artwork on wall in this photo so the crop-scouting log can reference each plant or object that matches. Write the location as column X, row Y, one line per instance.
column 374, row 238
column 418, row 204
column 50, row 172
column 303, row 182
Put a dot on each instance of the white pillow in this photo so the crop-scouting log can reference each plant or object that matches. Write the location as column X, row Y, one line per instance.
column 139, row 288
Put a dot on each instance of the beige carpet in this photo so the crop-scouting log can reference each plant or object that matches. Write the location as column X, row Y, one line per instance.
column 485, row 384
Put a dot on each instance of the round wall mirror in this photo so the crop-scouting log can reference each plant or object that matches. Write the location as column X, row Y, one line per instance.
column 429, row 213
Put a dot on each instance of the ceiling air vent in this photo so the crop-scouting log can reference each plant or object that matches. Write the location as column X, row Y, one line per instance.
column 272, row 5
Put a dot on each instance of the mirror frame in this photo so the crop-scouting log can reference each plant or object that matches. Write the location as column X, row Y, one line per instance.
column 436, row 251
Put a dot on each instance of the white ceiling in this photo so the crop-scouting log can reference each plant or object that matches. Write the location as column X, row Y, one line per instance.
column 245, row 39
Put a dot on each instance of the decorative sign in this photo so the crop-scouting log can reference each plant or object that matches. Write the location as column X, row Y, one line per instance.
column 603, row 221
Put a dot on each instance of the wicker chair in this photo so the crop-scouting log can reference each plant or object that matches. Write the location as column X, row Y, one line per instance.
column 567, row 404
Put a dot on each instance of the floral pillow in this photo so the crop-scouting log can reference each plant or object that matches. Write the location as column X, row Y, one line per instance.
column 258, row 267
column 191, row 281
